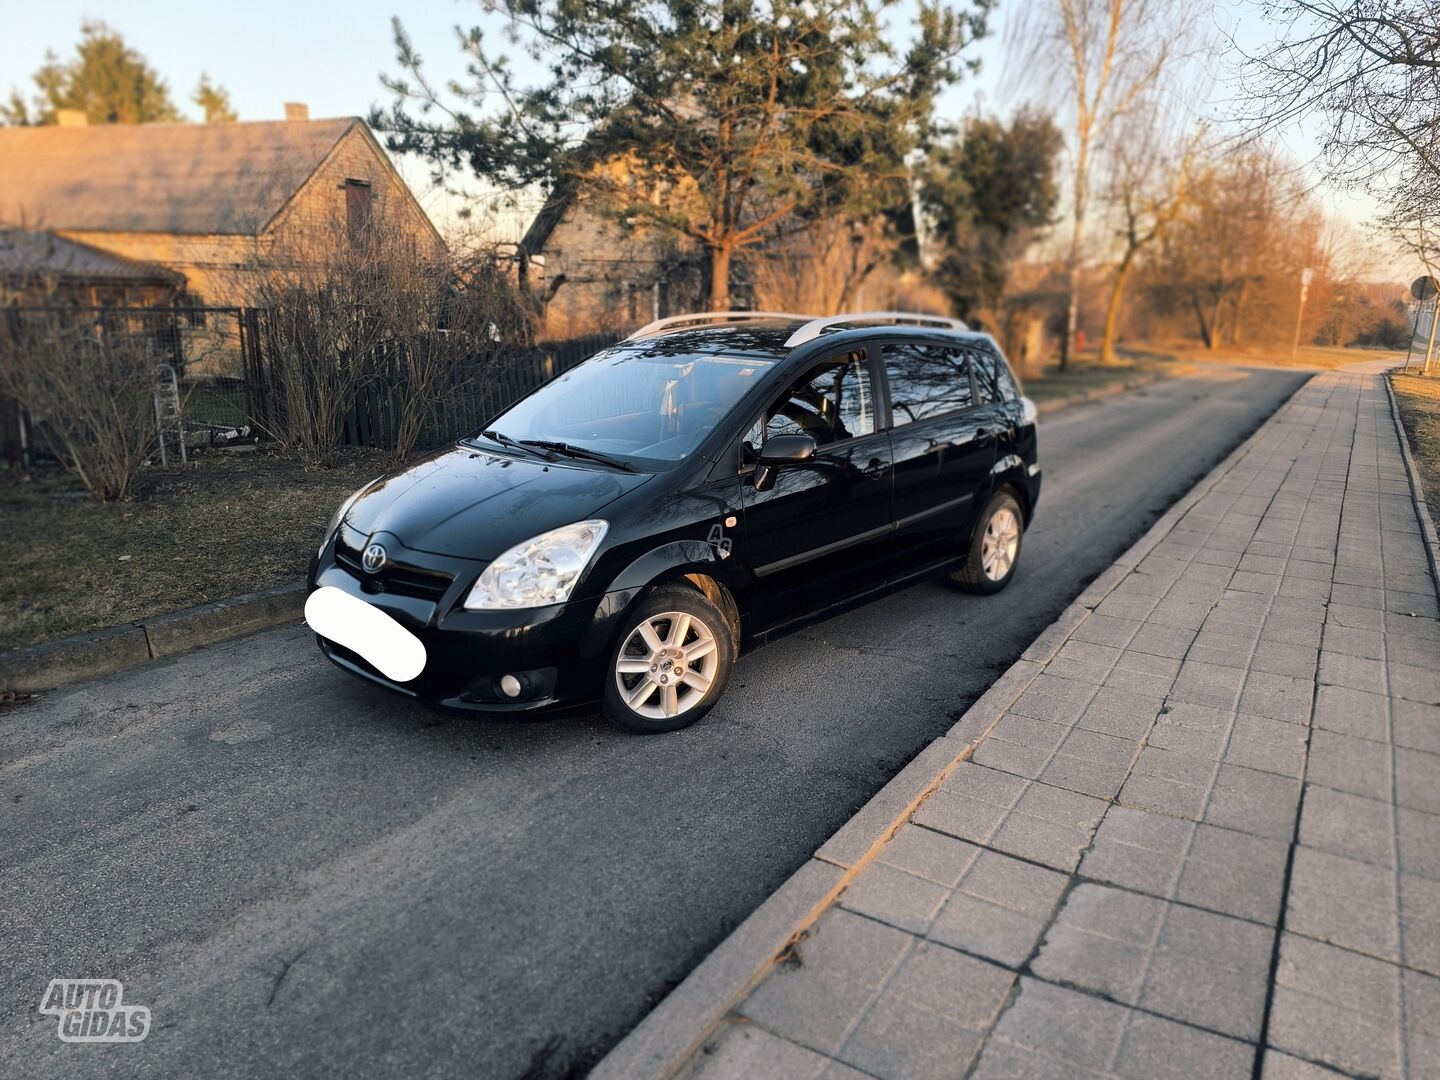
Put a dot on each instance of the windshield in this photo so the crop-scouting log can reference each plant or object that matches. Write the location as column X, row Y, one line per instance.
column 644, row 409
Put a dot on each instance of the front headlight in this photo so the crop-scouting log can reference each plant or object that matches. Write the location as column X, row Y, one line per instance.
column 337, row 517
column 541, row 571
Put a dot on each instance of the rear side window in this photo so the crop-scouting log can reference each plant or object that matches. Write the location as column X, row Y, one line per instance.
column 993, row 377
column 926, row 380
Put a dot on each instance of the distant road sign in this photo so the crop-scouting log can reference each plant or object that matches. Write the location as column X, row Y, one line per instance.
column 1423, row 288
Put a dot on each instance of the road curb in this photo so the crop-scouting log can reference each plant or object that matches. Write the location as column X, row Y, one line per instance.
column 680, row 1025
column 53, row 664
column 1417, row 492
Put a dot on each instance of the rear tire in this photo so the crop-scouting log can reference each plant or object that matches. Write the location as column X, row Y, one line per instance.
column 671, row 663
column 994, row 548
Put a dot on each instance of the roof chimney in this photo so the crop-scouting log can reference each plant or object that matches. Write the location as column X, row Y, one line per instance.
column 297, row 110
column 71, row 117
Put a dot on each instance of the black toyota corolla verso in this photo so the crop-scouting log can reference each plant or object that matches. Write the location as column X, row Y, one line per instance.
column 622, row 533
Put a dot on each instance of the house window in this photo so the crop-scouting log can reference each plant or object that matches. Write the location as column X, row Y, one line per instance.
column 192, row 305
column 357, row 207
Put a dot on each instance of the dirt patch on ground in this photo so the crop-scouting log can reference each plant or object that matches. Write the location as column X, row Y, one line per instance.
column 228, row 524
column 1419, row 400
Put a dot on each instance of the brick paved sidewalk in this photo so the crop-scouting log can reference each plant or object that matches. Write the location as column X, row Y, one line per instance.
column 1205, row 838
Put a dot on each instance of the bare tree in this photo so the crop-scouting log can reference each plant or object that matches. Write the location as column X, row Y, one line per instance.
column 88, row 388
column 1145, row 192
column 1111, row 57
column 822, row 268
column 1370, row 69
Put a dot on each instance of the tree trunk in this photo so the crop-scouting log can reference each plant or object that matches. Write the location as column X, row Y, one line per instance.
column 1206, row 333
column 1112, row 309
column 720, row 279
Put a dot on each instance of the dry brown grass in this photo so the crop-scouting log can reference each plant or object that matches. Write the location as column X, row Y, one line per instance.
column 1323, row 357
column 229, row 524
column 1419, row 400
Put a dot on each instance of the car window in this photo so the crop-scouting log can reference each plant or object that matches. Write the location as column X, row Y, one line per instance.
column 926, row 380
column 830, row 403
column 994, row 378
column 639, row 403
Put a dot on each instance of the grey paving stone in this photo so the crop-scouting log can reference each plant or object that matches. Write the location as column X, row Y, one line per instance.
column 1106, row 629
column 1133, row 608
column 1417, row 726
column 1419, row 843
column 1251, row 801
column 1352, row 712
column 1368, row 643
column 895, row 897
column 1102, row 940
column 1347, row 763
column 1417, row 780
column 1257, row 742
column 842, row 963
column 1282, row 658
column 1360, row 618
column 1208, row 684
column 1053, row 1031
column 1280, row 697
column 1169, row 641
column 1349, row 825
column 1345, row 902
column 1195, row 730
column 1210, row 970
column 1000, row 909
column 1278, row 1066
column 1415, row 683
column 1153, row 1047
column 1234, row 873
column 1057, row 700
column 1049, row 825
column 1336, row 1007
column 971, row 803
column 743, row 1051
column 1124, row 711
column 928, row 1019
column 1139, row 850
column 930, row 855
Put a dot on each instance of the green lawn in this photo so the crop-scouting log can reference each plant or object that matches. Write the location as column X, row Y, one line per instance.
column 1086, row 374
column 1419, row 400
column 231, row 523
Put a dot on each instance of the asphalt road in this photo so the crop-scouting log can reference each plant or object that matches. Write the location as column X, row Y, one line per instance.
column 299, row 873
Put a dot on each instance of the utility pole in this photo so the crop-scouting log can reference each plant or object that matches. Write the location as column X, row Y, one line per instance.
column 1430, row 345
column 1306, row 276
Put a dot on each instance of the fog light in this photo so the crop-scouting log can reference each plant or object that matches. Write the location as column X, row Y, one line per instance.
column 510, row 686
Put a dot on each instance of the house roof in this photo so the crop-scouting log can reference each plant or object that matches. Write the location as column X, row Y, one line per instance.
column 27, row 253
column 160, row 178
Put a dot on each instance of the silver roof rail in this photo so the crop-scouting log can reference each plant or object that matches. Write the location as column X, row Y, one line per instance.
column 709, row 316
column 811, row 330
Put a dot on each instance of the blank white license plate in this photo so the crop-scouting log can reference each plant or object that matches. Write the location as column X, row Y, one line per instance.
column 349, row 621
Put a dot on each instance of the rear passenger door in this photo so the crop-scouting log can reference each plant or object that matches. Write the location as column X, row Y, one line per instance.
column 943, row 444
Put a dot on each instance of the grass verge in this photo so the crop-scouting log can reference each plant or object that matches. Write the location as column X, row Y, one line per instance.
column 1086, row 374
column 1419, row 401
column 228, row 524
column 1324, row 357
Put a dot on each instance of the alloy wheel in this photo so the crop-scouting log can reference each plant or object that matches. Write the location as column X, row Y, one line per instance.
column 667, row 665
column 1000, row 544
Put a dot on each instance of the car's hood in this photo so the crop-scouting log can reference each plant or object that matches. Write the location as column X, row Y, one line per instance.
column 475, row 505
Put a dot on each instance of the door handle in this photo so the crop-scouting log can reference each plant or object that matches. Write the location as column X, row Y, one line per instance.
column 875, row 469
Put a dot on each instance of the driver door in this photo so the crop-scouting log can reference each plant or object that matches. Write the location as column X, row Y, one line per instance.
column 819, row 533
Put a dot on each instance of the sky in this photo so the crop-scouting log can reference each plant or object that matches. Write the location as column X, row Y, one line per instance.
column 330, row 54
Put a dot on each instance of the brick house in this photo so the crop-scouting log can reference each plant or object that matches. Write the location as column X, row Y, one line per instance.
column 207, row 200
column 41, row 268
column 590, row 270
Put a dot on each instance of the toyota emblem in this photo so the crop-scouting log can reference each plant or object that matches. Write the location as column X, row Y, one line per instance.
column 373, row 559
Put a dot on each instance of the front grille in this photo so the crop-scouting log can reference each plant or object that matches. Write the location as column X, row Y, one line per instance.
column 394, row 578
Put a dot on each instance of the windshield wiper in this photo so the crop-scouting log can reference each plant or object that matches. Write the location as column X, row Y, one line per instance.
column 580, row 452
column 519, row 444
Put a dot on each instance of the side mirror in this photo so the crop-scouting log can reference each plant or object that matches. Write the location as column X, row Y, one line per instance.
column 780, row 450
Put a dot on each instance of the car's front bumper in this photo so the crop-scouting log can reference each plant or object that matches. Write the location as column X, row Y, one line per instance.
column 558, row 653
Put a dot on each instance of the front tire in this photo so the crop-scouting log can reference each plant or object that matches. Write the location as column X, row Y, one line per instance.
column 995, row 548
column 671, row 664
